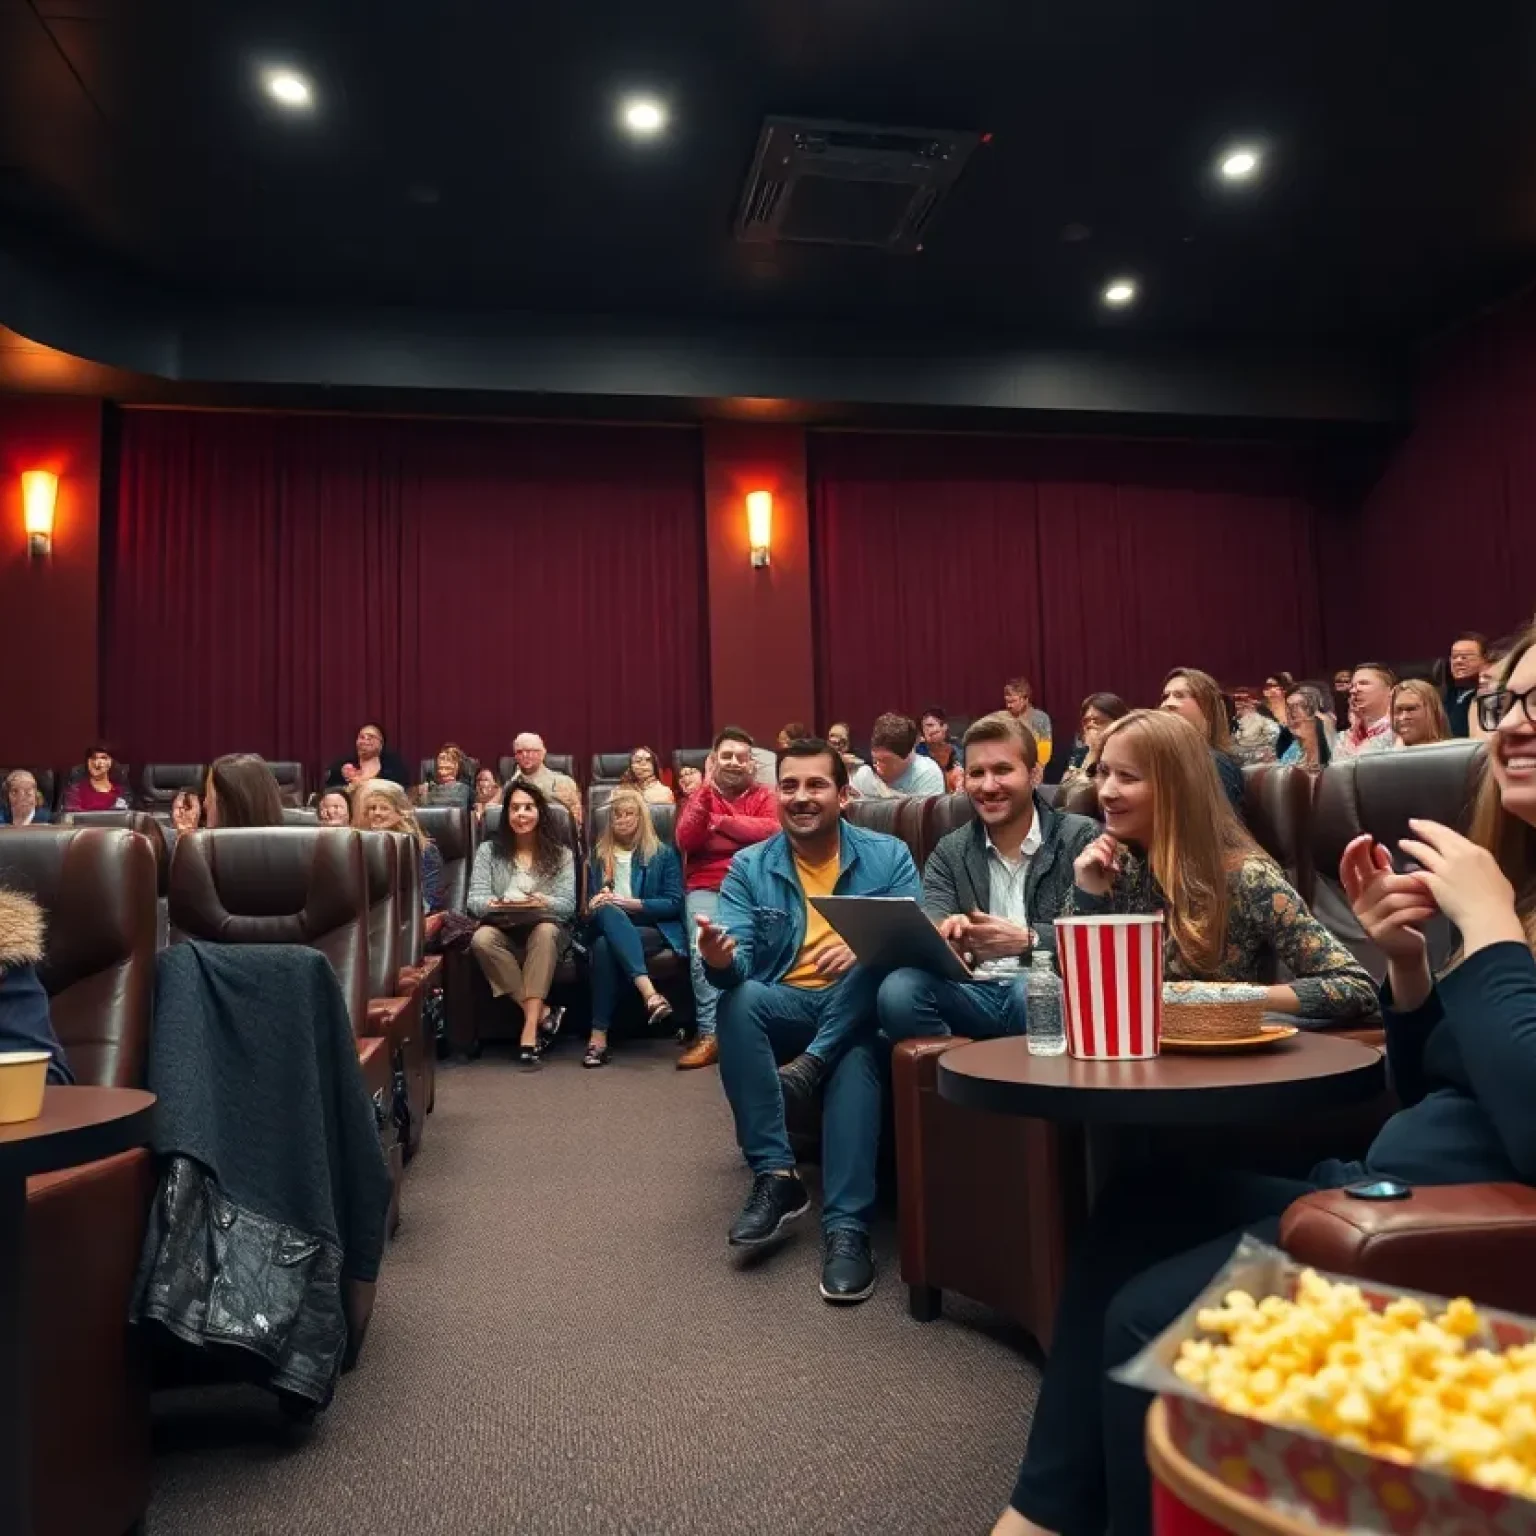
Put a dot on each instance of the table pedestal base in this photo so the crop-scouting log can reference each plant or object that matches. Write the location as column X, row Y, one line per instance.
column 15, row 1369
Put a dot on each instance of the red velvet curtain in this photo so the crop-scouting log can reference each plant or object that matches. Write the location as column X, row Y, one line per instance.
column 945, row 565
column 274, row 580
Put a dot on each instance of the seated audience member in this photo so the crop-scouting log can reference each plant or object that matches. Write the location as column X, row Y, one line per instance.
column 97, row 790
column 729, row 811
column 449, row 784
column 791, row 988
column 25, row 1022
column 644, row 777
column 1098, row 711
column 1195, row 696
column 894, row 768
column 1487, row 681
column 1462, row 1053
column 841, row 741
column 1171, row 844
column 385, row 807
column 764, row 767
column 529, row 750
column 994, row 887
column 1341, row 680
column 1310, row 728
column 634, row 909
column 1276, row 686
column 522, row 888
column 487, row 792
column 371, row 759
column 796, row 730
column 935, row 743
column 1469, row 655
column 21, row 805
column 1418, row 716
column 690, row 779
column 333, row 809
column 1370, row 712
column 1018, row 700
column 1254, row 732
column 187, row 811
column 239, row 791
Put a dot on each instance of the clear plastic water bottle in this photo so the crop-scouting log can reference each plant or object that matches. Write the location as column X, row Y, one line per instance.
column 1047, row 1028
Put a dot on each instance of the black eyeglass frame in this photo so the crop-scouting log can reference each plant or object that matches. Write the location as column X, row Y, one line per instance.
column 1494, row 705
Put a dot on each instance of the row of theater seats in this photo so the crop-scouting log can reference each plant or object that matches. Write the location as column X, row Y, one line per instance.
column 1004, row 1242
column 112, row 898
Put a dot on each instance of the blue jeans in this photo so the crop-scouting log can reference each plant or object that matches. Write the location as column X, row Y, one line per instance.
column 914, row 1004
column 618, row 950
column 762, row 1024
column 706, row 997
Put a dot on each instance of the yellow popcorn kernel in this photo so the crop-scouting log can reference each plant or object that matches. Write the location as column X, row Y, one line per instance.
column 1461, row 1317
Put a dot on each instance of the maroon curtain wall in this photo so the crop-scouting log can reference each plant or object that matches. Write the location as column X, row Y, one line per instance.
column 945, row 565
column 275, row 580
column 1446, row 539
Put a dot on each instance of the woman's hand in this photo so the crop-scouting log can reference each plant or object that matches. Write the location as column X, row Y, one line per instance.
column 1097, row 865
column 1388, row 905
column 602, row 899
column 1466, row 883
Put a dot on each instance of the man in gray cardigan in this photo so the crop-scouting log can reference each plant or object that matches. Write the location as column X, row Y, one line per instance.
column 995, row 888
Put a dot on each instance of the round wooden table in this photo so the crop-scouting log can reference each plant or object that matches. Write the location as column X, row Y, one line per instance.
column 77, row 1125
column 1304, row 1074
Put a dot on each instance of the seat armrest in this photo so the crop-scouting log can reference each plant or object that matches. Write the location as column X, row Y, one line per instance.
column 915, row 1063
column 386, row 1017
column 1476, row 1240
column 914, row 1076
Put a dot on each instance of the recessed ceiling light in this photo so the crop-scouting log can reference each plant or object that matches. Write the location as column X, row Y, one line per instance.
column 1120, row 292
column 1240, row 164
column 288, row 88
column 643, row 116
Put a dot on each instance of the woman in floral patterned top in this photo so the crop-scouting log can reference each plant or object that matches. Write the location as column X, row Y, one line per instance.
column 1171, row 844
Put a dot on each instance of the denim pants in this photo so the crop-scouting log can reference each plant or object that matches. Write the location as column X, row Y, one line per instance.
column 762, row 1024
column 618, row 950
column 914, row 1005
column 697, row 904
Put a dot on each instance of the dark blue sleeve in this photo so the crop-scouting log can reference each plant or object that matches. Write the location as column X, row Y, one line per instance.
column 663, row 885
column 1406, row 1034
column 25, row 1024
column 594, row 875
column 431, row 878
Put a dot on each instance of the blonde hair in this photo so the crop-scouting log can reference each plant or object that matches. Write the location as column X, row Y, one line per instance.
column 1510, row 840
column 1207, row 692
column 646, row 842
column 398, row 798
column 1197, row 840
column 1429, row 696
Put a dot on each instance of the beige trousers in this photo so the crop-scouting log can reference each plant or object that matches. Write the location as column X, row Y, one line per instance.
column 518, row 964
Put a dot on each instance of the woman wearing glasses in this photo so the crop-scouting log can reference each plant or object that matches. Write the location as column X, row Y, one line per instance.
column 1462, row 1052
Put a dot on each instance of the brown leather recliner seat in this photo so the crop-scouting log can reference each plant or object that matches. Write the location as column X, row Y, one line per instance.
column 456, row 833
column 160, row 783
column 160, row 842
column 901, row 817
column 421, row 974
column 291, row 885
column 609, row 767
column 85, row 1225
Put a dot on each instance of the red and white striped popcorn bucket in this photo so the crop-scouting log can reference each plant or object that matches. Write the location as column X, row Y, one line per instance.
column 1112, row 975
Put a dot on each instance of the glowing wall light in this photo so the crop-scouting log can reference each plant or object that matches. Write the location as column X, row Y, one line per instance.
column 39, row 495
column 760, row 525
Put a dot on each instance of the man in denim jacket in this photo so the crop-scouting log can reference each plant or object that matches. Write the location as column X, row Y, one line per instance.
column 790, row 985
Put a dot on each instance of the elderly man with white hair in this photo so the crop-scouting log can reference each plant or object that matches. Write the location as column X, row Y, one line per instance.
column 20, row 803
column 529, row 751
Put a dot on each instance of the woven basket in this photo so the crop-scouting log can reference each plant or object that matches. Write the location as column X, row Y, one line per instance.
column 1211, row 1011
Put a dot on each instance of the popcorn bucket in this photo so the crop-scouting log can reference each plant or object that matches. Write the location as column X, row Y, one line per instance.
column 1112, row 974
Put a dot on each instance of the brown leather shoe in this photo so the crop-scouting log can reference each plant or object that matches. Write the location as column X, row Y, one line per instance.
column 704, row 1052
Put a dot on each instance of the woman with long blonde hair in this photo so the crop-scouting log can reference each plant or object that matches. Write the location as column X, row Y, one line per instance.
column 1172, row 843
column 1418, row 714
column 384, row 806
column 1463, row 1057
column 635, row 909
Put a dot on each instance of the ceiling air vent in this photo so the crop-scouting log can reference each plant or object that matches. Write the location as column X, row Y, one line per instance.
column 848, row 183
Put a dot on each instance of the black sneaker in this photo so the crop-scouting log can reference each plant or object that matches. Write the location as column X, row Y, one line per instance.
column 801, row 1081
column 774, row 1201
column 848, row 1269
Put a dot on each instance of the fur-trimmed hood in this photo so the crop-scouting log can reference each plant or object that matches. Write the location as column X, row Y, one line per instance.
column 21, row 930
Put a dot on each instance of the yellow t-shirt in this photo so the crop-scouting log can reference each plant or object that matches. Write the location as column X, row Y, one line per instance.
column 815, row 880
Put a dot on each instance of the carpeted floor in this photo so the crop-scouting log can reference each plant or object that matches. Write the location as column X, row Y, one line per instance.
column 563, row 1343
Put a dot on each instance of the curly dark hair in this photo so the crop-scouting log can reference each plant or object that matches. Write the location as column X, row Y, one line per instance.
column 547, row 845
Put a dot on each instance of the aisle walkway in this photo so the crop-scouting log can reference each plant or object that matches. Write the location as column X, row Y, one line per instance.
column 562, row 1345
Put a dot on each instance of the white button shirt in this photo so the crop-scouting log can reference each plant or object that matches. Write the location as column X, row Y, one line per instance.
column 1006, row 881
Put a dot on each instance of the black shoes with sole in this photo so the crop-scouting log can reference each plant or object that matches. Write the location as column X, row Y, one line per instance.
column 776, row 1200
column 847, row 1268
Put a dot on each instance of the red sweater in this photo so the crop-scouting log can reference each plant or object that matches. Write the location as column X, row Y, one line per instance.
column 711, row 828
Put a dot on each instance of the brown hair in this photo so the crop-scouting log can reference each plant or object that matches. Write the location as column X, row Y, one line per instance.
column 1197, row 841
column 628, row 778
column 1509, row 839
column 245, row 793
column 1001, row 726
column 1207, row 692
column 456, row 752
column 894, row 733
column 1020, row 685
column 1110, row 705
column 1429, row 696
column 1380, row 668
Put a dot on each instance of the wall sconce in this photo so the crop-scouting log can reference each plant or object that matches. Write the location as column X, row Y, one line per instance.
column 760, row 525
column 39, row 493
